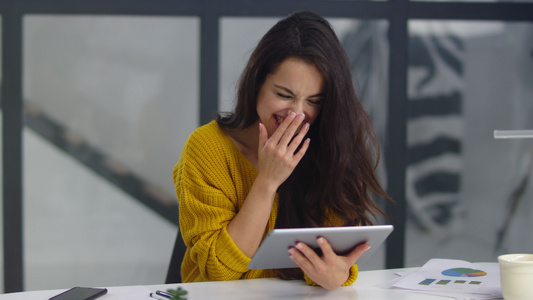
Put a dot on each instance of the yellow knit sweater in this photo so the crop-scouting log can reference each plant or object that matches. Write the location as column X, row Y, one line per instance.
column 212, row 179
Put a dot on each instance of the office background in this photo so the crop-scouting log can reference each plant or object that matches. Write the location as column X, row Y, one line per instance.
column 98, row 98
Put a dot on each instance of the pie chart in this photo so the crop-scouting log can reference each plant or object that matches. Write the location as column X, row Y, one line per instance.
column 464, row 272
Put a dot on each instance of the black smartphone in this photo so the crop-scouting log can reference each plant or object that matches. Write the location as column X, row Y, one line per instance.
column 80, row 293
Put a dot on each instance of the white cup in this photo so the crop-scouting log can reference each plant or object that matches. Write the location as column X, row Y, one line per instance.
column 516, row 272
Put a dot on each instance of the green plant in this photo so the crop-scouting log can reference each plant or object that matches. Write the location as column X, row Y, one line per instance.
column 178, row 294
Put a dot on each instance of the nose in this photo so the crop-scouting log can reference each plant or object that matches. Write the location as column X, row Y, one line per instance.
column 298, row 108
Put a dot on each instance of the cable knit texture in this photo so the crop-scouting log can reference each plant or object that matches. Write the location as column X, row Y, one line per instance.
column 212, row 179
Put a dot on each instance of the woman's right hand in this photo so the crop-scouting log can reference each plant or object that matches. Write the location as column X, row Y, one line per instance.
column 277, row 156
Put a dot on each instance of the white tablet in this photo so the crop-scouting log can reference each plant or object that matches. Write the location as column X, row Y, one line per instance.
column 273, row 251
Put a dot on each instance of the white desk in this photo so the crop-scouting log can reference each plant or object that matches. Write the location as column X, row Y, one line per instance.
column 364, row 288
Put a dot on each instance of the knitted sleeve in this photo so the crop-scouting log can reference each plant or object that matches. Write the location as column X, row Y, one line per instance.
column 206, row 194
column 354, row 271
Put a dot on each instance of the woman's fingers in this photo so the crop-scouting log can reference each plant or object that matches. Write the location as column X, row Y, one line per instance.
column 300, row 254
column 297, row 141
column 328, row 255
column 277, row 153
column 357, row 252
column 280, row 131
column 329, row 270
column 287, row 130
column 291, row 130
column 263, row 135
column 311, row 259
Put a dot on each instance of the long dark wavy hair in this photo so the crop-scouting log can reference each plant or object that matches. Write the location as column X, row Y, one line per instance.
column 337, row 174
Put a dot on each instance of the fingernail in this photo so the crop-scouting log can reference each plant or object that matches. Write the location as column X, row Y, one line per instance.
column 292, row 115
column 307, row 126
column 320, row 240
column 299, row 246
column 292, row 251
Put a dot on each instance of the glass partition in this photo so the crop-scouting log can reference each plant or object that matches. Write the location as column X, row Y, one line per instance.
column 109, row 102
column 469, row 195
column 366, row 45
column 1, row 173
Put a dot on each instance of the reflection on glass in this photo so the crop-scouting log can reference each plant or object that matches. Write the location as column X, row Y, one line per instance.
column 109, row 102
column 119, row 76
column 238, row 38
column 468, row 194
column 365, row 43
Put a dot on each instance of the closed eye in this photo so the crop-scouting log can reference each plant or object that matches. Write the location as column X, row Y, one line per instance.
column 315, row 102
column 284, row 96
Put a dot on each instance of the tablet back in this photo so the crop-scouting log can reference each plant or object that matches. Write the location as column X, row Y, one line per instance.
column 273, row 251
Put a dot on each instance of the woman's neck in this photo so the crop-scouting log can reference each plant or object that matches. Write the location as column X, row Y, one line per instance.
column 247, row 141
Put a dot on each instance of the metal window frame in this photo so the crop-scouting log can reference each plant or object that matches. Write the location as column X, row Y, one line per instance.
column 397, row 12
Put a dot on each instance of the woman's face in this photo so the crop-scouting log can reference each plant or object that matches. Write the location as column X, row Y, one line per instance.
column 295, row 86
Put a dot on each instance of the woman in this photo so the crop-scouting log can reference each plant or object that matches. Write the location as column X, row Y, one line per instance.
column 294, row 153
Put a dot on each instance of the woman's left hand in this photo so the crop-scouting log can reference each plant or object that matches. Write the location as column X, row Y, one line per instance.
column 329, row 271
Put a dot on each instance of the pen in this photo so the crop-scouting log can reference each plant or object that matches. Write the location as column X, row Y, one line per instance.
column 160, row 295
